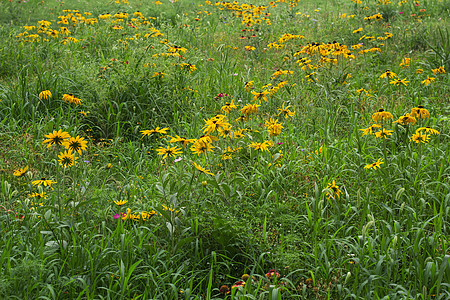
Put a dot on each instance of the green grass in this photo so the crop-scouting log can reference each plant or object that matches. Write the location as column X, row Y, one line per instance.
column 304, row 218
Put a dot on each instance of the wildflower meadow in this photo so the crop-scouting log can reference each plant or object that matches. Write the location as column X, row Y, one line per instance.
column 172, row 149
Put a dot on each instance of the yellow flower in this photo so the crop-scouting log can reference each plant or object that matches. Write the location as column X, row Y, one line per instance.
column 420, row 137
column 201, row 147
column 260, row 146
column 383, row 133
column 370, row 129
column 71, row 99
column 406, row 62
column 336, row 191
column 152, row 131
column 248, row 85
column 405, row 120
column 215, row 123
column 184, row 141
column 249, row 109
column 56, row 138
column 258, row 96
column 357, row 30
column 381, row 115
column 439, row 70
column 388, row 74
column 20, row 172
column 42, row 195
column 375, row 165
column 169, row 151
column 44, row 182
column 428, row 81
column 67, row 159
column 420, row 112
column 318, row 151
column 75, row 144
column 250, row 48
column 188, row 67
column 159, row 74
column 274, row 127
column 120, row 202
column 229, row 106
column 397, row 82
column 428, row 130
column 45, row 94
column 203, row 170
column 285, row 111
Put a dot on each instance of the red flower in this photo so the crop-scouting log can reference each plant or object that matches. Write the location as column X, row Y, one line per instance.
column 272, row 274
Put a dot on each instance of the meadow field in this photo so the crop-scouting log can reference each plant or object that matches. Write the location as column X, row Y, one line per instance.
column 180, row 149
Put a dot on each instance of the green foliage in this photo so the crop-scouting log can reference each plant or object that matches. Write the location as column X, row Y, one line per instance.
column 319, row 208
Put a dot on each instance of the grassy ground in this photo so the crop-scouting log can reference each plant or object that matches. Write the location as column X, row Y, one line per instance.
column 201, row 150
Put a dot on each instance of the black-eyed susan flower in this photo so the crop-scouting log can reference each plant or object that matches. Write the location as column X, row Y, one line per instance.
column 45, row 94
column 428, row 130
column 397, row 82
column 370, row 129
column 375, row 165
column 420, row 137
column 440, row 70
column 76, row 144
column 188, row 67
column 274, row 127
column 264, row 146
column 159, row 74
column 37, row 195
column 428, row 81
column 228, row 107
column 250, row 48
column 336, row 191
column 406, row 62
column 225, row 131
column 20, row 172
column 203, row 170
column 249, row 85
column 67, row 158
column 169, row 151
column 285, row 111
column 153, row 131
column 120, row 202
column 69, row 98
column 388, row 74
column 214, row 123
column 249, row 109
column 43, row 181
column 383, row 133
column 146, row 215
column 183, row 141
column 259, row 96
column 56, row 138
column 420, row 112
column 405, row 120
column 381, row 115
column 201, row 146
